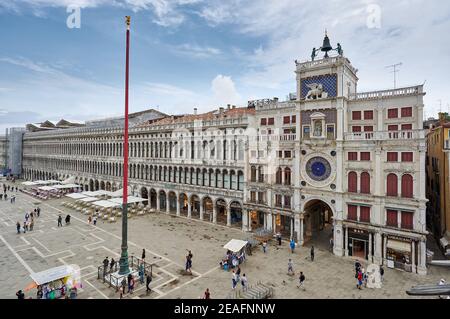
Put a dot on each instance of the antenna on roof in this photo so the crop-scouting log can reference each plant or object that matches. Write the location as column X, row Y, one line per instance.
column 395, row 71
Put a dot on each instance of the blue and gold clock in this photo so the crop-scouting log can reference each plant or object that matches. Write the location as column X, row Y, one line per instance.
column 318, row 168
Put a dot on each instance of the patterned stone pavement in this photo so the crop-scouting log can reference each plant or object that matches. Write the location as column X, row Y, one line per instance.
column 165, row 239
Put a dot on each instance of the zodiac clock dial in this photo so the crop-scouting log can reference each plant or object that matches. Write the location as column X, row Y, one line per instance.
column 318, row 168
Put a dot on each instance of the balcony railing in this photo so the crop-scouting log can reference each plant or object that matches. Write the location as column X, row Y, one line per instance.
column 283, row 137
column 385, row 135
column 413, row 90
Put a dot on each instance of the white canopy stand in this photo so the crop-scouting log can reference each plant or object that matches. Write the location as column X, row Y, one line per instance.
column 235, row 245
column 89, row 199
column 65, row 186
column 119, row 193
column 105, row 204
column 46, row 188
column 130, row 200
column 76, row 195
column 49, row 275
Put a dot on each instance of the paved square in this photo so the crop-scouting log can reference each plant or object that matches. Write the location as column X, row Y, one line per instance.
column 165, row 239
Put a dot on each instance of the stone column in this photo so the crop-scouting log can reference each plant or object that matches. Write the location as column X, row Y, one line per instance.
column 345, row 230
column 413, row 256
column 301, row 239
column 370, row 248
column 214, row 214
column 178, row 206
column 383, row 258
column 167, row 204
column 158, row 202
column 297, row 226
column 189, row 209
column 379, row 180
column 228, row 217
column 422, row 266
column 201, row 211
column 269, row 222
column 244, row 220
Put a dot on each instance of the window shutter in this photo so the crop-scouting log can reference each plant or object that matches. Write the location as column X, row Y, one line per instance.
column 286, row 120
column 407, row 220
column 406, row 127
column 391, row 219
column 365, row 156
column 264, row 121
column 368, row 128
column 392, row 156
column 407, row 186
column 364, row 214
column 352, row 156
column 391, row 186
column 392, row 113
column 356, row 128
column 356, row 115
column 294, row 118
column 365, row 183
column 406, row 112
column 368, row 115
column 352, row 182
column 407, row 156
column 352, row 212
column 392, row 127
column 271, row 121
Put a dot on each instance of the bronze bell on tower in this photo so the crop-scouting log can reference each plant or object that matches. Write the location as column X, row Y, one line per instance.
column 326, row 46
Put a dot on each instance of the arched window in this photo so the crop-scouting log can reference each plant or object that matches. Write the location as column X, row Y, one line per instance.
column 365, row 183
column 278, row 176
column 287, row 176
column 253, row 174
column 407, row 186
column 352, row 182
column 391, row 185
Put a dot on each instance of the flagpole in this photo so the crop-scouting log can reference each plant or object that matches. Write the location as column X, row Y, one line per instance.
column 123, row 263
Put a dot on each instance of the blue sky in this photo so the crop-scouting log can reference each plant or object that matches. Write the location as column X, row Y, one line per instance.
column 205, row 54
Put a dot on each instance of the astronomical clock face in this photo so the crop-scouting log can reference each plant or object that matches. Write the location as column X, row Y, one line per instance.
column 318, row 168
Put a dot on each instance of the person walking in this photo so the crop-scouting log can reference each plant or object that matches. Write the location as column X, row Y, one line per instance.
column 381, row 273
column 129, row 278
column 18, row 227
column 264, row 246
column 301, row 280
column 111, row 265
column 244, row 282
column 123, row 286
column 190, row 255
column 292, row 245
column 27, row 216
column 20, row 294
column 290, row 267
column 312, row 253
column 105, row 267
column 143, row 254
column 331, row 244
column 148, row 281
column 238, row 274
column 31, row 224
column 131, row 285
column 59, row 221
column 279, row 238
column 95, row 220
column 89, row 219
column 207, row 294
column 233, row 281
column 38, row 211
column 359, row 279
column 67, row 219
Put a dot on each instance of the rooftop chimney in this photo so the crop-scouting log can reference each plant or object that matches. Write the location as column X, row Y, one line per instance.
column 195, row 111
column 221, row 110
column 228, row 106
column 234, row 106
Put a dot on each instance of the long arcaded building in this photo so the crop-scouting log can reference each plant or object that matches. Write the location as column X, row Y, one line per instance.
column 328, row 163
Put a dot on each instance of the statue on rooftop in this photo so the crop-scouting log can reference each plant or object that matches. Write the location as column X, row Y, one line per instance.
column 339, row 49
column 313, row 54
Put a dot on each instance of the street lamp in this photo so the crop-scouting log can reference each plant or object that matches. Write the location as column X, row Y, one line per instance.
column 123, row 262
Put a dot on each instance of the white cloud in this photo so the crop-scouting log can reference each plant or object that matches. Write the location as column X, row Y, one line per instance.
column 224, row 90
column 196, row 51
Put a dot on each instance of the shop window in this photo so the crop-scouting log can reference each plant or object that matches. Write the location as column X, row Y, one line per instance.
column 407, row 156
column 368, row 115
column 391, row 218
column 352, row 212
column 406, row 112
column 407, row 220
column 365, row 156
column 352, row 156
column 392, row 113
column 392, row 156
column 356, row 115
column 365, row 183
column 352, row 182
column 407, row 186
column 364, row 214
column 391, row 185
column 271, row 121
